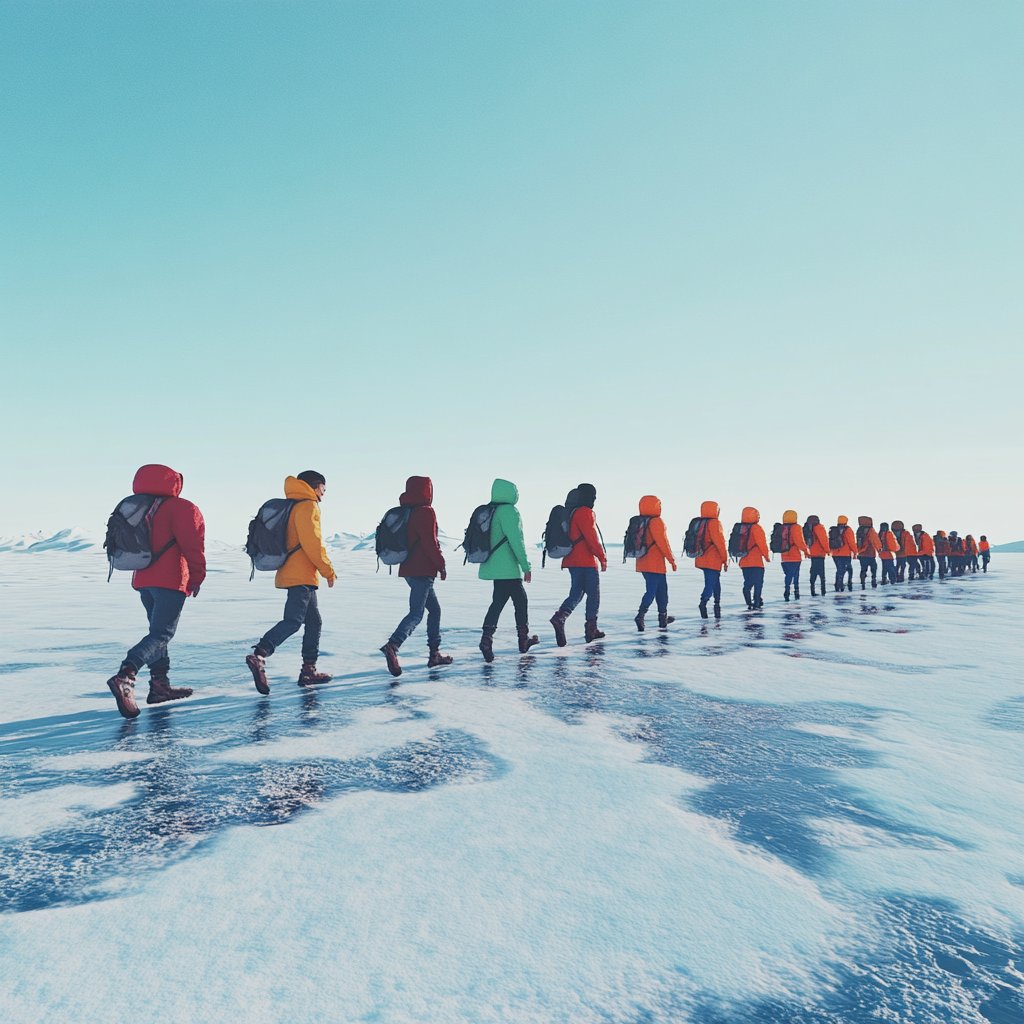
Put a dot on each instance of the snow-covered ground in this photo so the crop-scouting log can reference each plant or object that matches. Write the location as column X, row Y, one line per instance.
column 814, row 813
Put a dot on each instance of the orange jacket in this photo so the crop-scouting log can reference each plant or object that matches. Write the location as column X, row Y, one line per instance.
column 757, row 544
column 589, row 551
column 871, row 546
column 848, row 549
column 925, row 544
column 970, row 547
column 659, row 548
column 797, row 544
column 983, row 545
column 819, row 546
column 888, row 546
column 716, row 552
column 909, row 549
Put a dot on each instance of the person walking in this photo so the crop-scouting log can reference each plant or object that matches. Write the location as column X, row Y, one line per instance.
column 971, row 551
column 925, row 552
column 985, row 550
column 887, row 553
column 869, row 544
column 712, row 557
column 906, row 557
column 300, row 577
column 176, row 570
column 423, row 565
column 652, row 564
column 794, row 547
column 816, row 538
column 505, row 565
column 754, row 551
column 942, row 553
column 582, row 562
column 956, row 554
column 843, row 547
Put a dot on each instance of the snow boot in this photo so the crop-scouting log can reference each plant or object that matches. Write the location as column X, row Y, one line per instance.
column 591, row 632
column 796, row 591
column 874, row 582
column 558, row 621
column 746, row 597
column 718, row 610
column 258, row 666
column 487, row 643
column 160, row 689
column 813, row 594
column 122, row 686
column 703, row 608
column 309, row 675
column 759, row 604
column 785, row 594
column 525, row 640
column 437, row 659
column 664, row 619
column 849, row 586
column 391, row 653
column 639, row 619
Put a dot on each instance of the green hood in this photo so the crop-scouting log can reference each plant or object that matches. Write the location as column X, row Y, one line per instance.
column 504, row 491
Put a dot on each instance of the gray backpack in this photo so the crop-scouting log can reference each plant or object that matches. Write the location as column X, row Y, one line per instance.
column 129, row 540
column 267, row 545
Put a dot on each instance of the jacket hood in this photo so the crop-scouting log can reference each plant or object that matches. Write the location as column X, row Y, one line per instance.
column 940, row 533
column 298, row 490
column 156, row 479
column 789, row 516
column 572, row 499
column 750, row 515
column 650, row 505
column 897, row 524
column 504, row 491
column 709, row 510
column 842, row 521
column 864, row 521
column 884, row 527
column 952, row 533
column 812, row 521
column 917, row 528
column 587, row 494
column 418, row 491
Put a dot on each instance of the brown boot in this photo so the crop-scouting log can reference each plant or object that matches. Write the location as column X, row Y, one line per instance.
column 258, row 666
column 591, row 631
column 487, row 643
column 525, row 640
column 309, row 675
column 664, row 619
column 122, row 686
column 558, row 621
column 160, row 689
column 437, row 659
column 639, row 619
column 391, row 653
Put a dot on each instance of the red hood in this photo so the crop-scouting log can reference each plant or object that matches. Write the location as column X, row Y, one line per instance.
column 161, row 480
column 709, row 510
column 418, row 491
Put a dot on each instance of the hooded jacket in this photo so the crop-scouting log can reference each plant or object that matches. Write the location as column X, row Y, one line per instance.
column 890, row 546
column 941, row 543
column 797, row 544
column 659, row 549
column 183, row 566
column 908, row 549
column 589, row 551
column 848, row 548
column 870, row 543
column 716, row 553
column 304, row 568
column 507, row 561
column 819, row 545
column 970, row 547
column 925, row 544
column 425, row 558
column 983, row 545
column 758, row 551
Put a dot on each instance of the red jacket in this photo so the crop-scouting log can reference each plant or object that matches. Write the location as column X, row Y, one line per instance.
column 425, row 558
column 819, row 546
column 589, row 551
column 183, row 566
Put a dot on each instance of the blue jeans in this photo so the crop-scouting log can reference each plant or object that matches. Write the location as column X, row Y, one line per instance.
column 791, row 573
column 657, row 590
column 421, row 597
column 585, row 580
column 163, row 609
column 712, row 585
column 300, row 609
column 844, row 568
column 753, row 582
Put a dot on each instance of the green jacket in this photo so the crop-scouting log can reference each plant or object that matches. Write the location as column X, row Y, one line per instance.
column 505, row 562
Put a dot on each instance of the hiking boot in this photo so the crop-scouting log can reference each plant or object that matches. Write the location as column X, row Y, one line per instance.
column 863, row 583
column 309, row 675
column 391, row 653
column 747, row 597
column 558, row 621
column 759, row 604
column 258, row 666
column 813, row 594
column 160, row 689
column 437, row 659
column 849, row 586
column 639, row 619
column 718, row 610
column 487, row 643
column 785, row 594
column 591, row 632
column 796, row 591
column 703, row 609
column 525, row 640
column 122, row 686
column 874, row 582
column 664, row 619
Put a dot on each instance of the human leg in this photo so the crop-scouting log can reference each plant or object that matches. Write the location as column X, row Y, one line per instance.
column 757, row 581
column 748, row 584
column 294, row 618
column 163, row 609
column 420, row 588
column 499, row 599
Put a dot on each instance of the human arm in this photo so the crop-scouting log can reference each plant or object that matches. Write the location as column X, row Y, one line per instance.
column 423, row 529
column 659, row 534
column 307, row 526
column 511, row 525
column 587, row 523
column 189, row 532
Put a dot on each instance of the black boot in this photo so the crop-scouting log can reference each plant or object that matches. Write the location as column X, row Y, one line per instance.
column 664, row 619
column 718, row 610
column 639, row 619
column 525, row 640
column 759, row 603
column 703, row 607
column 785, row 594
column 487, row 643
column 746, row 597
column 796, row 591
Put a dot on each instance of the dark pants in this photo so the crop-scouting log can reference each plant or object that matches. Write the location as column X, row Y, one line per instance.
column 421, row 598
column 791, row 574
column 926, row 566
column 657, row 590
column 844, row 567
column 888, row 570
column 985, row 559
column 300, row 609
column 163, row 609
column 868, row 565
column 585, row 580
column 712, row 585
column 503, row 590
column 941, row 559
column 818, row 572
column 753, row 582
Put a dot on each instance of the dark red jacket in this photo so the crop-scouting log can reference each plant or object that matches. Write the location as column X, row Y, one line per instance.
column 183, row 566
column 425, row 558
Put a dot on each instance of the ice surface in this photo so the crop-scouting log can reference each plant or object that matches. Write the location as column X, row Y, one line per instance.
column 812, row 813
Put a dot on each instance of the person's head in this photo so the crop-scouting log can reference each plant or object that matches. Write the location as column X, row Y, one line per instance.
column 884, row 527
column 587, row 494
column 709, row 510
column 864, row 521
column 842, row 521
column 812, row 521
column 983, row 537
column 789, row 517
column 750, row 515
column 315, row 480
column 917, row 528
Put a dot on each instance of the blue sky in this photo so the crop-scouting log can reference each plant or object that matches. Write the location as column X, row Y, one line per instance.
column 769, row 254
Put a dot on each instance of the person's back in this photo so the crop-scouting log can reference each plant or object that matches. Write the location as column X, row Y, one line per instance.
column 816, row 537
column 582, row 562
column 869, row 545
column 712, row 557
column 753, row 561
column 794, row 549
column 843, row 548
column 925, row 551
column 652, row 564
column 986, row 552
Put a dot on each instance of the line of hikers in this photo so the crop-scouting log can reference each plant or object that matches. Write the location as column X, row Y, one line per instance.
column 160, row 537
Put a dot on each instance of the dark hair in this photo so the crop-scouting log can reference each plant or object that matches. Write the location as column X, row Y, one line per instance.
column 313, row 478
column 587, row 494
column 983, row 537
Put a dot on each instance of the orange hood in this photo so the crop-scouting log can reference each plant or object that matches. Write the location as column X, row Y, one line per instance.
column 789, row 516
column 709, row 510
column 650, row 505
column 751, row 515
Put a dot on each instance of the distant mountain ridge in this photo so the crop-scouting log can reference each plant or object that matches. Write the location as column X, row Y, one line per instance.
column 1017, row 547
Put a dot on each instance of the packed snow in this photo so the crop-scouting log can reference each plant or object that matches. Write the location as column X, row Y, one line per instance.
column 810, row 813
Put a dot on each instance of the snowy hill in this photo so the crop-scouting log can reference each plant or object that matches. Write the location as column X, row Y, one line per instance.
column 1017, row 547
column 72, row 539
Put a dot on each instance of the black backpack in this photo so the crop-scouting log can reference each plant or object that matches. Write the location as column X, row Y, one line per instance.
column 739, row 540
column 862, row 536
column 129, row 541
column 556, row 533
column 393, row 536
column 836, row 537
column 693, row 542
column 477, row 541
column 635, row 543
column 808, row 533
column 267, row 544
column 780, row 541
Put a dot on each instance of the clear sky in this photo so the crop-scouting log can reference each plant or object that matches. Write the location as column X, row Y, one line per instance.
column 770, row 254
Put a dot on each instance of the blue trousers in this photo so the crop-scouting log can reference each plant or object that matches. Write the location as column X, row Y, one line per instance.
column 712, row 585
column 888, row 570
column 791, row 573
column 844, row 567
column 585, row 580
column 300, row 609
column 657, row 590
column 421, row 598
column 163, row 609
column 868, row 565
column 753, row 582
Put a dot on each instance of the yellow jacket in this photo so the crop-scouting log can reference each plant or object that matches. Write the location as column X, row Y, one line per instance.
column 310, row 562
